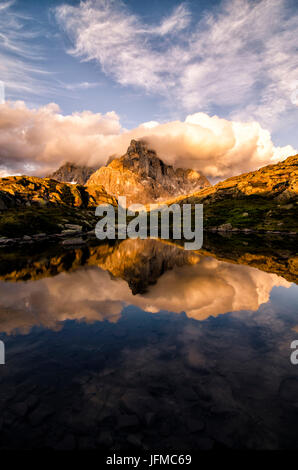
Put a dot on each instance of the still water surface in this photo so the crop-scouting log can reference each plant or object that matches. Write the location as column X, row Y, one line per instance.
column 145, row 345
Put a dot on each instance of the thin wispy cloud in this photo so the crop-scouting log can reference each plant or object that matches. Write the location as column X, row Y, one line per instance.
column 242, row 57
column 80, row 86
column 238, row 61
column 107, row 32
column 21, row 57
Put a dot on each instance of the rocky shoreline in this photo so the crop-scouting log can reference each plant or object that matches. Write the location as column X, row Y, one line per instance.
column 229, row 228
column 71, row 235
column 74, row 235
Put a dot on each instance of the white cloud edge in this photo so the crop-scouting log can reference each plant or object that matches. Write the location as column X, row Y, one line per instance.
column 44, row 138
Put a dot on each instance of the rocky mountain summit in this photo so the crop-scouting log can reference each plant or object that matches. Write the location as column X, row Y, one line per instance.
column 143, row 177
column 265, row 200
column 71, row 173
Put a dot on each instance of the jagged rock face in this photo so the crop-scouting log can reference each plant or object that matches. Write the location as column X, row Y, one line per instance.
column 27, row 191
column 279, row 182
column 71, row 173
column 262, row 200
column 142, row 177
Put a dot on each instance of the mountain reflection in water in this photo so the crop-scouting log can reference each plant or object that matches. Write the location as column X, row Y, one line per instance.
column 143, row 344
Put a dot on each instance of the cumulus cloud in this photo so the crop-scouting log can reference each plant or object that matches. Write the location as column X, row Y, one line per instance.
column 243, row 56
column 37, row 141
column 218, row 147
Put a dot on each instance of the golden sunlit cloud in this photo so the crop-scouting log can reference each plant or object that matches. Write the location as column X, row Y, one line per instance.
column 37, row 141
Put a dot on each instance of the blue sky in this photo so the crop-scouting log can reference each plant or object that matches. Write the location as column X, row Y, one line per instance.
column 157, row 60
column 77, row 85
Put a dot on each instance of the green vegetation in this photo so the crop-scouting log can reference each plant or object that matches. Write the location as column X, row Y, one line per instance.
column 252, row 212
column 30, row 221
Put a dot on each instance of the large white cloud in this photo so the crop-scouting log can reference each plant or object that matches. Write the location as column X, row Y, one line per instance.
column 37, row 141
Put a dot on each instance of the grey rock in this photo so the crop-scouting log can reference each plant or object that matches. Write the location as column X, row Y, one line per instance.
column 73, row 241
column 8, row 241
column 39, row 235
column 70, row 232
column 91, row 233
column 225, row 227
column 79, row 228
column 72, row 173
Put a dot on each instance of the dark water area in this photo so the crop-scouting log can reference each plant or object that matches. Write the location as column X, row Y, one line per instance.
column 142, row 345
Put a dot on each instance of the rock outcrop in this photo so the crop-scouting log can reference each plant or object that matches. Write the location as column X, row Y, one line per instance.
column 143, row 177
column 266, row 199
column 38, row 207
column 278, row 181
column 71, row 173
column 27, row 191
column 262, row 200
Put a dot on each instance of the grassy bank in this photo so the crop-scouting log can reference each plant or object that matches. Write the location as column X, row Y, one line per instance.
column 252, row 212
column 15, row 223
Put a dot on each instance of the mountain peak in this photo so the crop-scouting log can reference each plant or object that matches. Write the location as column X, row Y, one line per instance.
column 143, row 177
column 70, row 172
column 137, row 146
